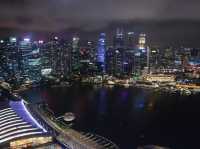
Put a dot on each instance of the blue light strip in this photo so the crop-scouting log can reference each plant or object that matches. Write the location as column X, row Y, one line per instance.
column 30, row 116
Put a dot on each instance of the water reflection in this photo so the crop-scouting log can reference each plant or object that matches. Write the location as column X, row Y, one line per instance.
column 102, row 103
column 128, row 116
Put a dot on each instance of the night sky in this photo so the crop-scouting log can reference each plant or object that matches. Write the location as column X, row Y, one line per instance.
column 165, row 21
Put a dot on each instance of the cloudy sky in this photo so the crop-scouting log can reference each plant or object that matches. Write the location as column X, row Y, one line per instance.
column 158, row 17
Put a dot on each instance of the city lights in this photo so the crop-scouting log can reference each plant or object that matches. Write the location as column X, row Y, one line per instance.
column 126, row 69
column 13, row 39
column 27, row 39
column 40, row 41
column 130, row 33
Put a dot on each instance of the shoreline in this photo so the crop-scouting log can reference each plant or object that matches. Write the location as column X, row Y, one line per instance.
column 164, row 88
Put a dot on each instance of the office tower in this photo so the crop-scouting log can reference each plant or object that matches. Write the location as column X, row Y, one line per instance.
column 12, row 59
column 195, row 54
column 46, row 59
column 119, row 55
column 119, row 39
column 168, row 58
column 4, row 72
column 178, row 59
column 148, row 60
column 119, row 61
column 66, row 59
column 110, row 61
column 88, row 58
column 60, row 57
column 137, row 62
column 84, row 60
column 55, row 58
column 154, row 55
column 130, row 40
column 101, row 49
column 92, row 49
column 25, row 48
column 141, row 58
column 128, row 62
column 30, row 61
column 75, row 61
column 195, row 58
column 142, row 42
column 113, row 62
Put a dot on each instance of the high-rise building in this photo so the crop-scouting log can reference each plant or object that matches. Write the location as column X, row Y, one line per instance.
column 154, row 55
column 91, row 46
column 25, row 48
column 148, row 59
column 128, row 61
column 119, row 38
column 142, row 42
column 30, row 60
column 66, row 59
column 75, row 60
column 141, row 58
column 119, row 61
column 137, row 61
column 101, row 49
column 110, row 61
column 56, row 58
column 12, row 58
column 168, row 59
column 130, row 40
column 46, row 58
column 8, row 60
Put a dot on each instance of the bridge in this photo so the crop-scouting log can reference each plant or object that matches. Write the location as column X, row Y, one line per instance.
column 73, row 139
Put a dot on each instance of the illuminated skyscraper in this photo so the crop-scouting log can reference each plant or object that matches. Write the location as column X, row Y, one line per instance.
column 130, row 40
column 167, row 58
column 12, row 58
column 9, row 68
column 25, row 49
column 46, row 58
column 128, row 62
column 30, row 60
column 141, row 58
column 110, row 61
column 75, row 61
column 101, row 49
column 55, row 57
column 119, row 39
column 154, row 57
column 142, row 42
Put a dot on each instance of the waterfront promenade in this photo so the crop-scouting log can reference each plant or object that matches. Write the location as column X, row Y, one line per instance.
column 67, row 136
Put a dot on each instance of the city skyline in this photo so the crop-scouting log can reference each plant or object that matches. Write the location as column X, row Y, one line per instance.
column 128, row 54
column 95, row 74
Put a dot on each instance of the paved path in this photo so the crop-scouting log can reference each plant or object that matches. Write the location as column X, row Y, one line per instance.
column 68, row 136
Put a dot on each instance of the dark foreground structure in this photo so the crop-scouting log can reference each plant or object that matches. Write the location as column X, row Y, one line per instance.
column 18, row 128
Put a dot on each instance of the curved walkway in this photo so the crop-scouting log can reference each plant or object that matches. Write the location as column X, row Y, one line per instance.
column 67, row 136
